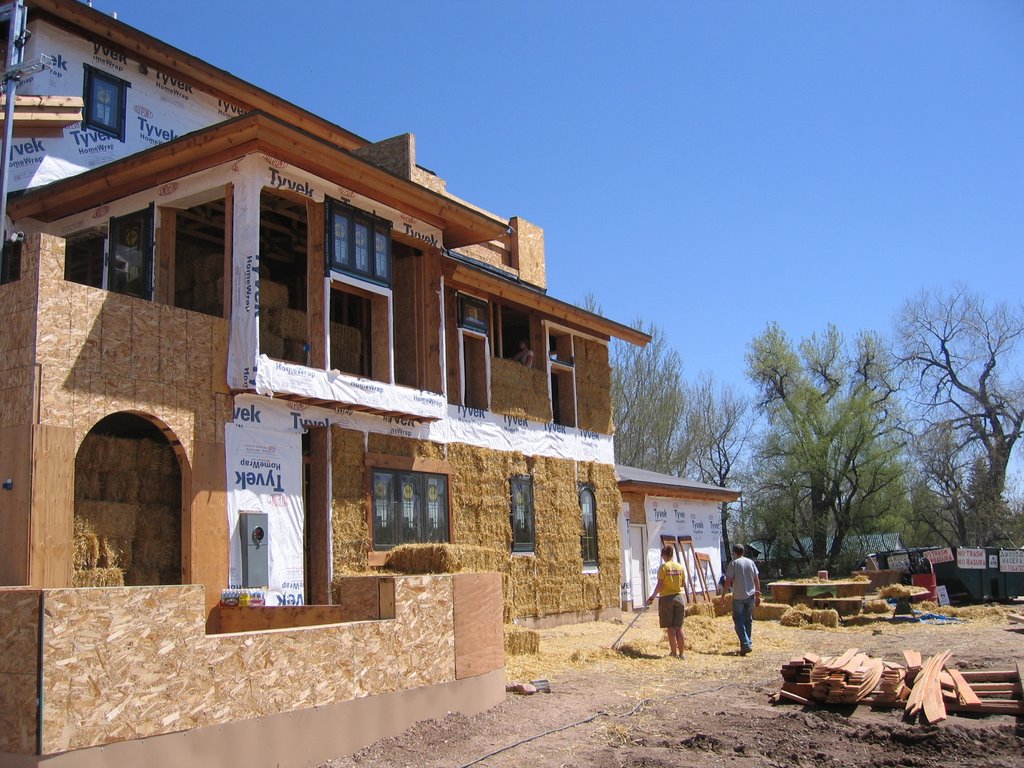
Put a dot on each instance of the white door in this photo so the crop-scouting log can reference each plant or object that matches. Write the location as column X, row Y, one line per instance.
column 638, row 564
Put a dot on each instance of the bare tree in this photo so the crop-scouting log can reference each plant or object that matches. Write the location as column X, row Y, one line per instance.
column 963, row 358
column 648, row 405
column 718, row 425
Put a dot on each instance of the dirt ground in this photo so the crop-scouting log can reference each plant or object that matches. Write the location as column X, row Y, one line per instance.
column 640, row 709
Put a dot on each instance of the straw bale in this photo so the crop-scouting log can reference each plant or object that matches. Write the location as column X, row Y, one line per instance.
column 701, row 609
column 346, row 348
column 88, row 485
column 98, row 577
column 723, row 604
column 520, row 641
column 155, row 458
column 160, row 489
column 122, row 487
column 898, row 590
column 517, row 390
column 271, row 344
column 109, row 518
column 273, row 295
column 396, row 445
column 770, row 611
column 423, row 558
column 828, row 617
column 876, row 606
column 349, row 531
column 593, row 386
column 86, row 545
column 796, row 616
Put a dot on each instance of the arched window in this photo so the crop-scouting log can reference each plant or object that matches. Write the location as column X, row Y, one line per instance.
column 588, row 540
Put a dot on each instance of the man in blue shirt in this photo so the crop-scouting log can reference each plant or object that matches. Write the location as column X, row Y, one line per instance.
column 741, row 576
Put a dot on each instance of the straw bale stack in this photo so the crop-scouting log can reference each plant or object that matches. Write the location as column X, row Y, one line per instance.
column 346, row 348
column 273, row 295
column 423, row 558
column 349, row 530
column 701, row 609
column 396, row 445
column 98, row 577
column 593, row 386
column 801, row 616
column 520, row 641
column 517, row 390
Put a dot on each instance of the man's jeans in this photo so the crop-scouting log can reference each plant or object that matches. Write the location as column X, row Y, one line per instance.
column 743, row 620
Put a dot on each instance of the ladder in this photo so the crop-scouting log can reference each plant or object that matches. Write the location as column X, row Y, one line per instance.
column 700, row 565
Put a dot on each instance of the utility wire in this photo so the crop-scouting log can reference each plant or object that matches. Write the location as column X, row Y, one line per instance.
column 603, row 713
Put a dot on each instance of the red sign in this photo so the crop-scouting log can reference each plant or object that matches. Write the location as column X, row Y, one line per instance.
column 939, row 555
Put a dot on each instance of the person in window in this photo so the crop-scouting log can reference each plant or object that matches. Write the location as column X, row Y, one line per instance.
column 671, row 606
column 524, row 355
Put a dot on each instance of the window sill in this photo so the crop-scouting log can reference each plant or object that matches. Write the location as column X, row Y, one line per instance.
column 524, row 554
column 591, row 569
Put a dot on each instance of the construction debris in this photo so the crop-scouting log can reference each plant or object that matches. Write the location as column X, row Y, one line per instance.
column 927, row 690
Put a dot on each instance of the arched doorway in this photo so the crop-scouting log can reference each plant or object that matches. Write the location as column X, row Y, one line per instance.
column 128, row 510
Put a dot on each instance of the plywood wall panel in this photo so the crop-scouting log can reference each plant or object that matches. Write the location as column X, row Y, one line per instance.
column 479, row 632
column 19, row 638
column 53, row 505
column 15, row 505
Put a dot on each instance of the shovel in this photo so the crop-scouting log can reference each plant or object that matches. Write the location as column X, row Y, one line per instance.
column 615, row 645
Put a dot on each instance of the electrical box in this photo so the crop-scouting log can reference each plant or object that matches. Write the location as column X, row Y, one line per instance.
column 252, row 529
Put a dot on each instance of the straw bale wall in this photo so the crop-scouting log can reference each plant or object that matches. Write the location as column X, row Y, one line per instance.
column 127, row 520
column 546, row 582
column 349, row 532
column 593, row 386
column 519, row 391
column 128, row 663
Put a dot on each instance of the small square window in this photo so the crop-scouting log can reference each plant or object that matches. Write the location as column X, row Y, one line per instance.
column 105, row 102
column 473, row 314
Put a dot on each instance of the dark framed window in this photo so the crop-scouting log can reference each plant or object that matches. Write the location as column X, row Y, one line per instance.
column 10, row 262
column 524, row 533
column 408, row 508
column 130, row 254
column 105, row 98
column 358, row 243
column 472, row 314
column 588, row 540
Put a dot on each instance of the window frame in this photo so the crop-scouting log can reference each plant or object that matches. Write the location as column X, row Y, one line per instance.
column 467, row 320
column 588, row 537
column 144, row 217
column 419, row 483
column 379, row 233
column 523, row 483
column 116, row 128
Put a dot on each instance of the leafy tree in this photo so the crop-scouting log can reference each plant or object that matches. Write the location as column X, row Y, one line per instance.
column 963, row 358
column 829, row 460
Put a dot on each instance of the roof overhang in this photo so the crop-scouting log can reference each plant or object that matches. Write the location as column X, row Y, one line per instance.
column 485, row 279
column 256, row 132
column 647, row 483
column 43, row 116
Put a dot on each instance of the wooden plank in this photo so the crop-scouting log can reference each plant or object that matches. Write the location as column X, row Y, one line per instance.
column 964, row 692
column 166, row 245
column 15, row 504
column 53, row 505
column 989, row 675
column 261, row 619
column 989, row 707
column 479, row 633
column 318, row 516
column 792, row 696
column 207, row 560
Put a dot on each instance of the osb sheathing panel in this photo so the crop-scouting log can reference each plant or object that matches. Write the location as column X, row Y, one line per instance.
column 519, row 391
column 17, row 342
column 593, row 386
column 528, row 251
column 15, row 504
column 101, row 352
column 131, row 663
column 19, row 635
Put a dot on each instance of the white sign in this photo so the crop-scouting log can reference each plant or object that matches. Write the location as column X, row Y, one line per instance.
column 935, row 556
column 970, row 558
column 264, row 474
column 1011, row 560
column 993, row 562
column 942, row 594
column 900, row 562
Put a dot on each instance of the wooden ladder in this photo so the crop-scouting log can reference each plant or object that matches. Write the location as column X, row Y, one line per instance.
column 689, row 593
column 698, row 560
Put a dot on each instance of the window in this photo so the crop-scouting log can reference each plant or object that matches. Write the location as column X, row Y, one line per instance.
column 130, row 254
column 523, row 532
column 10, row 262
column 105, row 98
column 588, row 541
column 472, row 314
column 358, row 243
column 408, row 508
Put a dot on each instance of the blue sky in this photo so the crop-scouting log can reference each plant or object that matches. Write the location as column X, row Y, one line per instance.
column 709, row 166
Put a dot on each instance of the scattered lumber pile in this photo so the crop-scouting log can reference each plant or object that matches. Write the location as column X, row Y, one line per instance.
column 926, row 689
